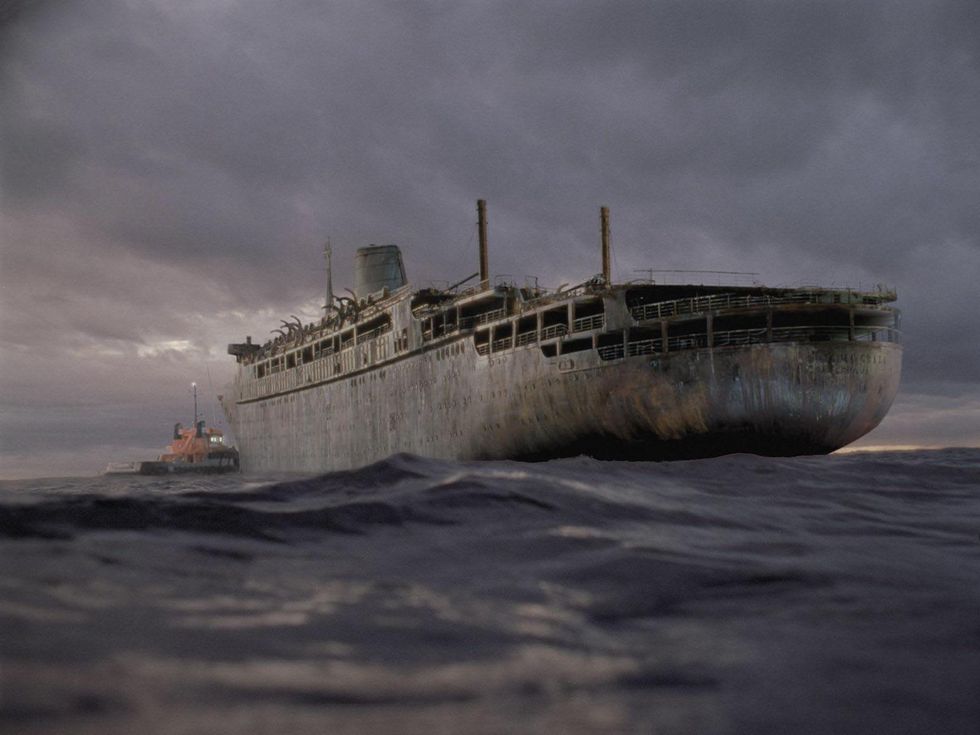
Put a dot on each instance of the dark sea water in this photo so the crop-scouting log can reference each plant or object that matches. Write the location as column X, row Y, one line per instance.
column 737, row 595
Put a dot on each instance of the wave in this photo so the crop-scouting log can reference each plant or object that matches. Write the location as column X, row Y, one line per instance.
column 406, row 489
column 814, row 594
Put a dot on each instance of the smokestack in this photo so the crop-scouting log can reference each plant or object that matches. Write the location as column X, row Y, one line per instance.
column 378, row 267
column 604, row 224
column 481, row 223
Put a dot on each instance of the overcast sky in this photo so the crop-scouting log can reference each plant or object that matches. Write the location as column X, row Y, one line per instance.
column 170, row 171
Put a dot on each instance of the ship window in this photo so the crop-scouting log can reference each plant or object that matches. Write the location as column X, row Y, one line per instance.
column 877, row 319
column 481, row 340
column 308, row 354
column 503, row 337
column 640, row 295
column 731, row 322
column 291, row 360
column 807, row 325
column 401, row 341
column 739, row 329
column 554, row 322
column 684, row 328
column 638, row 334
column 588, row 308
column 483, row 311
column 607, row 339
column 643, row 341
column 576, row 345
column 611, row 345
column 553, row 317
column 549, row 350
column 688, row 335
column 374, row 328
column 823, row 318
column 527, row 329
column 439, row 324
column 587, row 315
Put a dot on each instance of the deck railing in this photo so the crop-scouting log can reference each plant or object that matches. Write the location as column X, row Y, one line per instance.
column 372, row 334
column 699, row 304
column 353, row 357
column 588, row 322
column 555, row 330
column 739, row 337
column 485, row 318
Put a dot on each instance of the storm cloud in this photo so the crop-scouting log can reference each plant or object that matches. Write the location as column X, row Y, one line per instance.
column 170, row 172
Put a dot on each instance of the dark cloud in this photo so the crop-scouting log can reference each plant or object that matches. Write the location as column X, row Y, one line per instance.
column 170, row 170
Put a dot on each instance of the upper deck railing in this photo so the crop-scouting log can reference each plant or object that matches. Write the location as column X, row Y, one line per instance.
column 480, row 319
column 587, row 323
column 699, row 304
column 739, row 337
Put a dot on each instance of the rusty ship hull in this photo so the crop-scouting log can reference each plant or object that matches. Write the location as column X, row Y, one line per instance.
column 637, row 372
column 775, row 400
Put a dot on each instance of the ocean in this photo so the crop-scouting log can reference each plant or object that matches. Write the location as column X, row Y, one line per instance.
column 742, row 594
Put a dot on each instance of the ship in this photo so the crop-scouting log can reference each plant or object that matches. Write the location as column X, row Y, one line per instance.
column 200, row 449
column 636, row 370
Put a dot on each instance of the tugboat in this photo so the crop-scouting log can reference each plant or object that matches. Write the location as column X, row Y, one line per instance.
column 200, row 449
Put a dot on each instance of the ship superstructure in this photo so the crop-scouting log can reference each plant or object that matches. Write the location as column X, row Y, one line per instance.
column 634, row 370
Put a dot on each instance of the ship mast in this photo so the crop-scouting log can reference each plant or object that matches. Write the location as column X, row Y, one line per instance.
column 481, row 224
column 329, row 294
column 194, row 388
column 604, row 227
